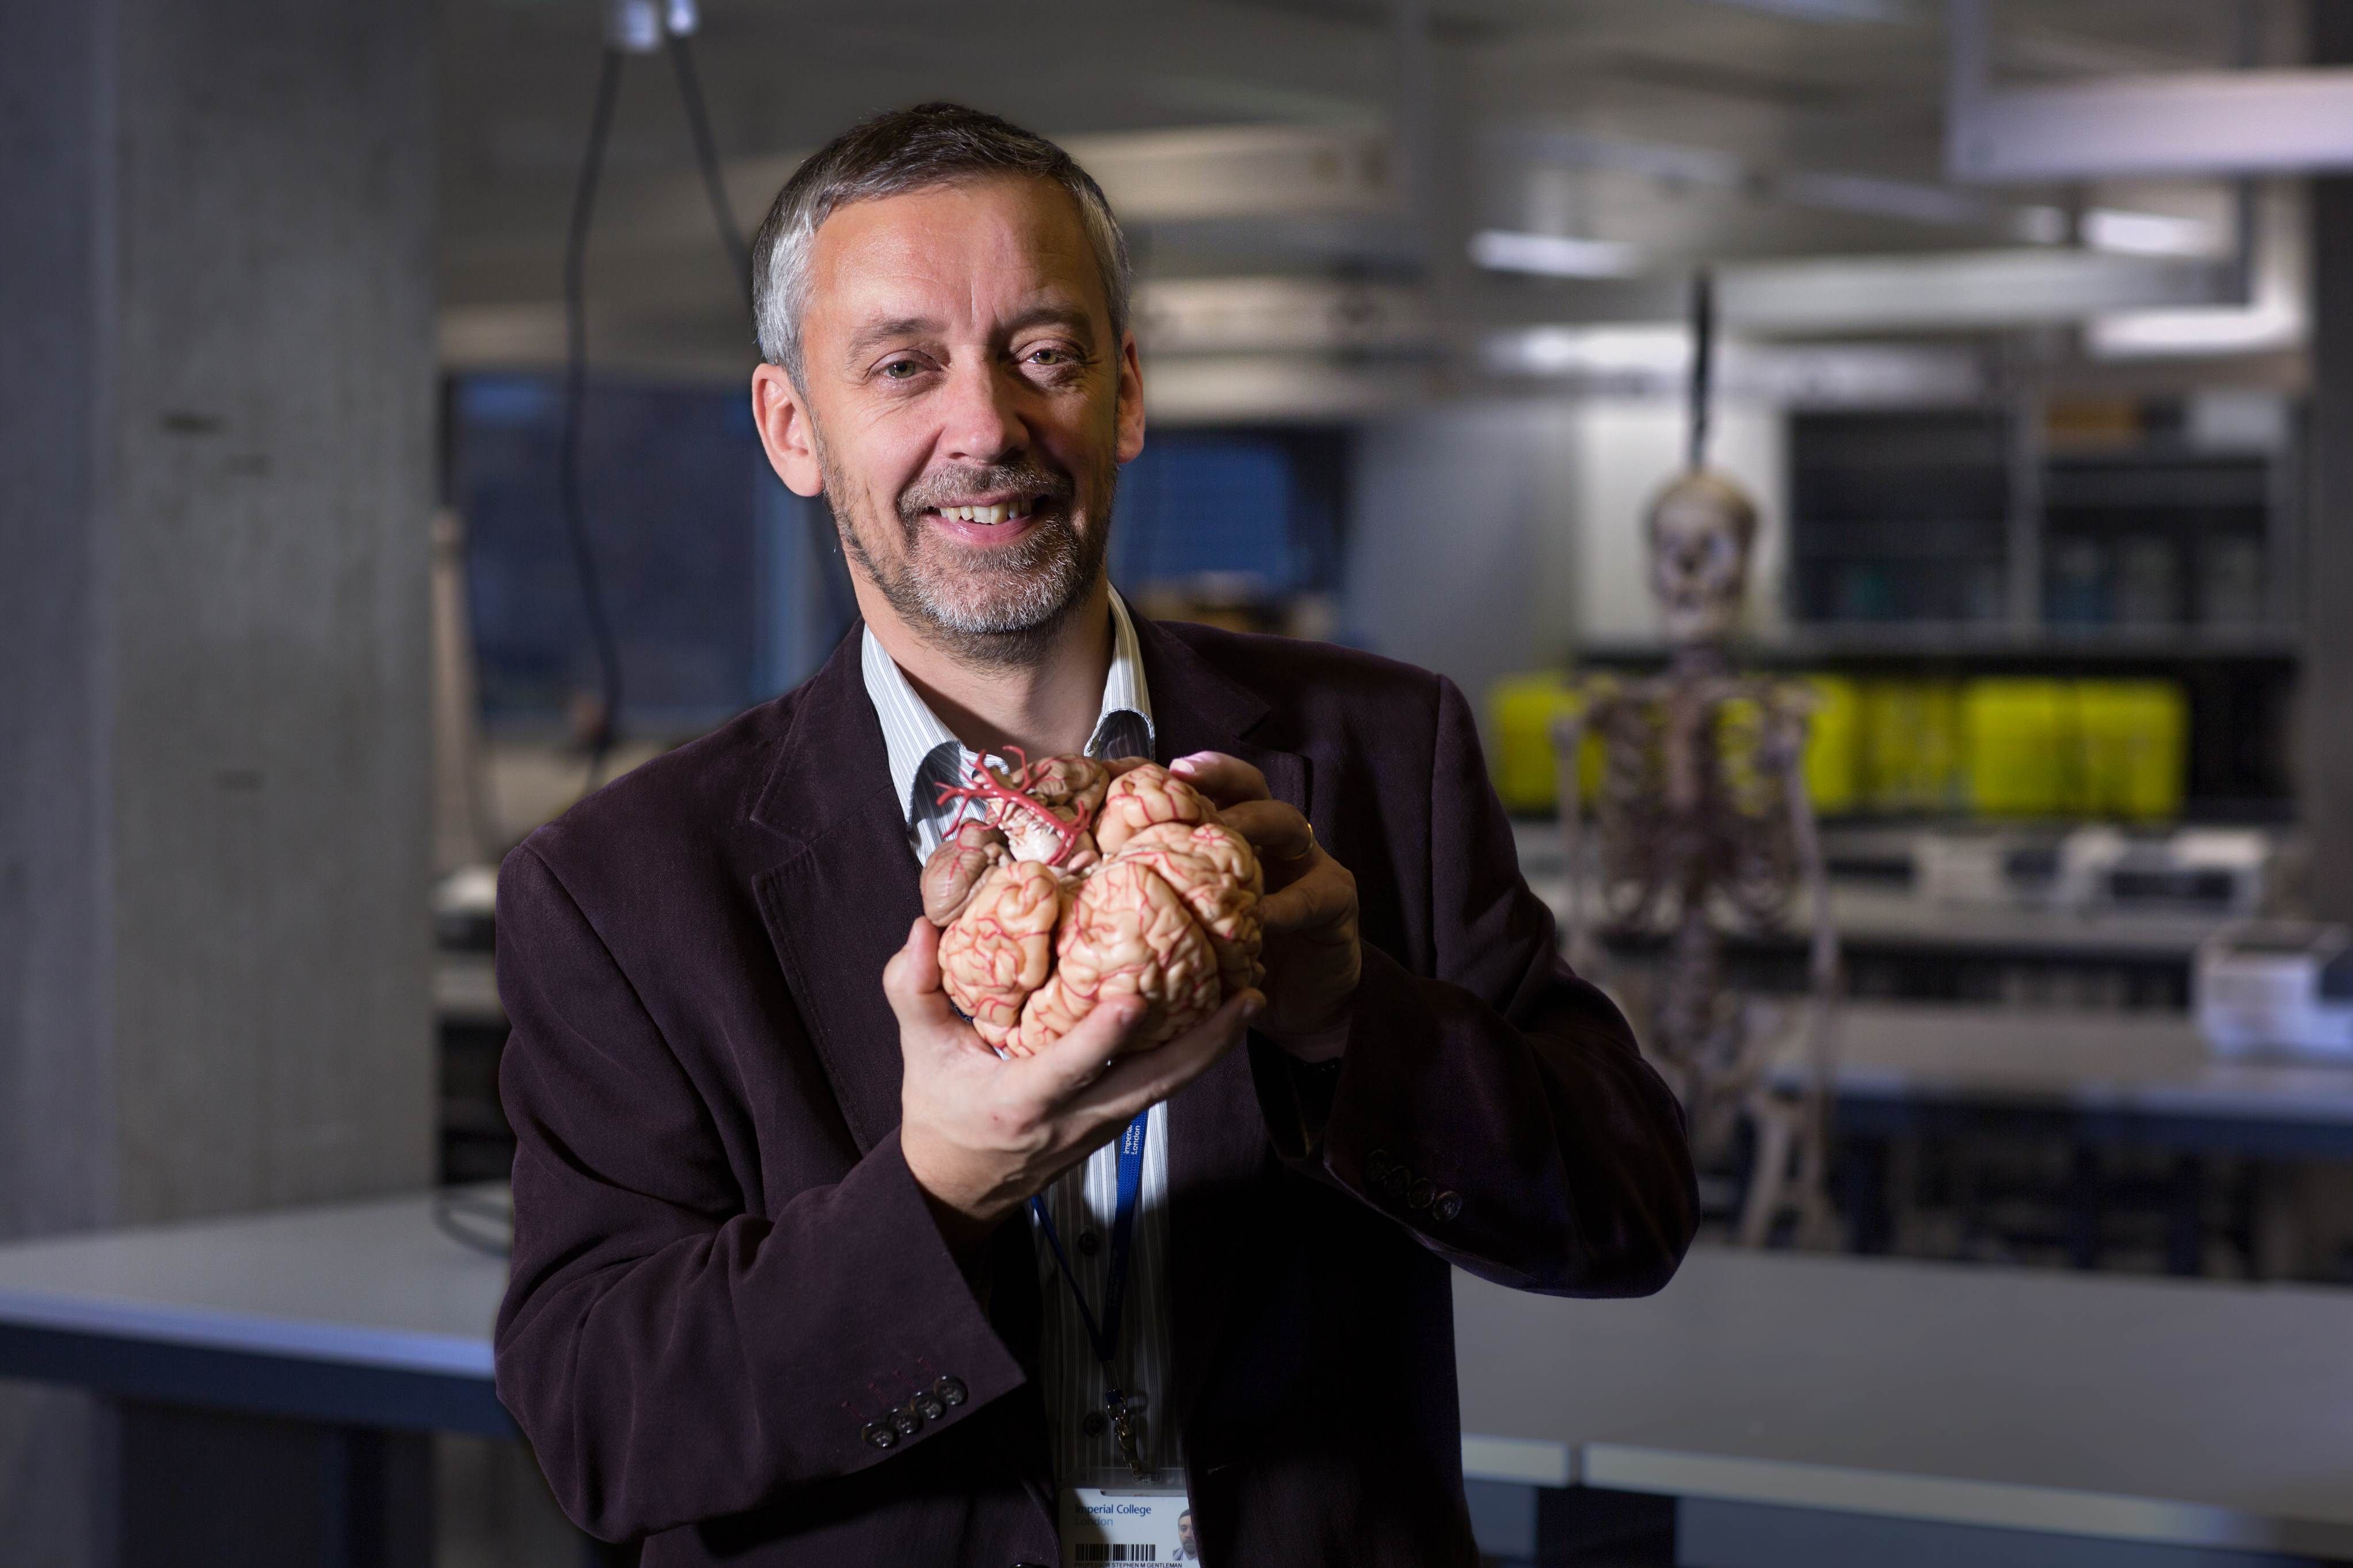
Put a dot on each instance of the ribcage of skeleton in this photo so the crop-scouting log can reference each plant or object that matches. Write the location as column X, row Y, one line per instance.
column 1732, row 844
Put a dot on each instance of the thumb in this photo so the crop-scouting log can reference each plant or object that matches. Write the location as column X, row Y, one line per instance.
column 1081, row 1055
column 911, row 981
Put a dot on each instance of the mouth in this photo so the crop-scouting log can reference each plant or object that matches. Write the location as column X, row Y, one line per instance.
column 993, row 520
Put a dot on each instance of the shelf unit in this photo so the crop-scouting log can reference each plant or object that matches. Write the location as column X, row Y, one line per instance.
column 2033, row 521
column 2122, row 538
column 1902, row 517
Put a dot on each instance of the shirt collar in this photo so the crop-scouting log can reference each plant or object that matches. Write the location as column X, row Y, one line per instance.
column 912, row 734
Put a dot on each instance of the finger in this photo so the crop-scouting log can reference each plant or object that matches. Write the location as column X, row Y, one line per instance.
column 1147, row 1077
column 1325, row 896
column 1116, row 766
column 1274, row 828
column 1225, row 780
column 1076, row 1060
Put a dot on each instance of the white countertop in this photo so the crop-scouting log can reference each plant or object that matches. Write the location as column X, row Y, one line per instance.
column 2079, row 1059
column 375, row 1284
column 1895, row 916
column 2129, row 1408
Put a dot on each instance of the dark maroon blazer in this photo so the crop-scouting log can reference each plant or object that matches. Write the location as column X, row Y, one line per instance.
column 723, row 1274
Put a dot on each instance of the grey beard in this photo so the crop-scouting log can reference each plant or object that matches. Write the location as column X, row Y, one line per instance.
column 1046, row 577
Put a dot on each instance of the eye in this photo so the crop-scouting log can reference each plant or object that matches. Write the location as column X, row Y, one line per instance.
column 901, row 370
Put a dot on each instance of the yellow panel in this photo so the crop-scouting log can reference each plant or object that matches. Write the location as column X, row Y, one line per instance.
column 2018, row 737
column 1521, row 708
column 2135, row 748
column 1833, row 741
column 1910, row 744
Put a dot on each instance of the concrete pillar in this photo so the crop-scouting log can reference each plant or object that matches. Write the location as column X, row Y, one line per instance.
column 216, row 408
column 2325, row 788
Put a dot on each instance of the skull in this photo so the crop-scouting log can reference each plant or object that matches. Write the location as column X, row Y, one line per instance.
column 1700, row 529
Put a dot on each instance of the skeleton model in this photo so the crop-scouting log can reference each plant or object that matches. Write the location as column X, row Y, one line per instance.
column 1702, row 822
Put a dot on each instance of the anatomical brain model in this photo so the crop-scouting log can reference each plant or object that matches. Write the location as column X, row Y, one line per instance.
column 1064, row 886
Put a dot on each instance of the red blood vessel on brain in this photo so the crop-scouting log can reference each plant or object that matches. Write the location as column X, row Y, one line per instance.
column 1064, row 886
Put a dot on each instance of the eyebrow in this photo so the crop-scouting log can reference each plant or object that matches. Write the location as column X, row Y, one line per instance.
column 1045, row 313
column 880, row 332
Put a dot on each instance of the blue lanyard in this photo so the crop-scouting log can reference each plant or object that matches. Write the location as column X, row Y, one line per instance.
column 1102, row 1334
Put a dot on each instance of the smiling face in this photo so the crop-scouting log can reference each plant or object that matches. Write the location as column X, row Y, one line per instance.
column 965, row 410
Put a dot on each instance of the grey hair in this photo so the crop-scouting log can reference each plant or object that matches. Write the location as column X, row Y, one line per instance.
column 891, row 154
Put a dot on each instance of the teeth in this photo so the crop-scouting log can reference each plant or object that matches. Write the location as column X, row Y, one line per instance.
column 989, row 515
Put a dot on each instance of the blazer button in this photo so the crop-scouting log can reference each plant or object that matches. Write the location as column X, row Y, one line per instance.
column 1423, row 1191
column 930, row 1406
column 951, row 1392
column 905, row 1422
column 1089, row 1244
column 879, row 1434
column 1445, row 1206
column 1377, row 1164
column 1397, row 1181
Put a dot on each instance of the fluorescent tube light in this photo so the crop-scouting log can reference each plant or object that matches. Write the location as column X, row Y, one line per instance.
column 1829, row 10
column 2144, row 233
column 1553, row 254
column 1591, row 351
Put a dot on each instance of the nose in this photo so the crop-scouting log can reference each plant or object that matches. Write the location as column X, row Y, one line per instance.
column 981, row 422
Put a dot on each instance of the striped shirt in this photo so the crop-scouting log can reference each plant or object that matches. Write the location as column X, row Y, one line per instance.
column 924, row 753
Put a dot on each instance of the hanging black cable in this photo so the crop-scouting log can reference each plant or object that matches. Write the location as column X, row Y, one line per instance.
column 706, row 156
column 1703, row 371
column 576, row 393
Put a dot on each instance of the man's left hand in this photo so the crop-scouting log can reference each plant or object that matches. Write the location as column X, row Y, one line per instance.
column 1308, row 913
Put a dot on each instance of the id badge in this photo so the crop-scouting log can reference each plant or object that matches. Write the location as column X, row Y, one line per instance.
column 1129, row 1522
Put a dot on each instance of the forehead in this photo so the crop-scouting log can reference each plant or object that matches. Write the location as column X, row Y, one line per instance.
column 952, row 252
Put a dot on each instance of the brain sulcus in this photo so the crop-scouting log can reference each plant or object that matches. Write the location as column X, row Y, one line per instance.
column 1065, row 884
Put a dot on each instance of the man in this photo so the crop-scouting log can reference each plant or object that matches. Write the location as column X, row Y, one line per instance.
column 779, row 1293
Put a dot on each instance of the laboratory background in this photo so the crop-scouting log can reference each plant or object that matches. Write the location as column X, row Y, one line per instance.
column 1953, row 782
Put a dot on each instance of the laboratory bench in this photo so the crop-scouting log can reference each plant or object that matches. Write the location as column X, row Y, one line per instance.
column 2114, row 1091
column 1897, row 945
column 1775, row 1409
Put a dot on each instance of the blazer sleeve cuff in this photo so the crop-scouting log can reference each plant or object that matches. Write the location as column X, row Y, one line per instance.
column 1374, row 1134
column 925, row 1356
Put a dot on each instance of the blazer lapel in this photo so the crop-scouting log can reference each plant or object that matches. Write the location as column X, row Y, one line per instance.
column 1219, row 1151
column 840, row 905
column 836, row 908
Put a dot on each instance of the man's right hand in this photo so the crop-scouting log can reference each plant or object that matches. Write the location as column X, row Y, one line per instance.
column 982, row 1133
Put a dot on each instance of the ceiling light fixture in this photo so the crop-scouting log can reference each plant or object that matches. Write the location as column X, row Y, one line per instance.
column 1553, row 254
column 2146, row 234
column 1604, row 352
column 1830, row 10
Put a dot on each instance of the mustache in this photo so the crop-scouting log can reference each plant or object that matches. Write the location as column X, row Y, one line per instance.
column 960, row 486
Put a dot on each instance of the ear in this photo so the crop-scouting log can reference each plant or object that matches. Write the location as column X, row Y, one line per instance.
column 1131, row 400
column 782, row 417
